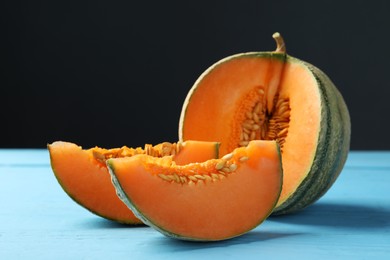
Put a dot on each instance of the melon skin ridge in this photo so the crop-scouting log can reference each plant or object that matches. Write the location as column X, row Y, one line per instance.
column 122, row 195
column 332, row 149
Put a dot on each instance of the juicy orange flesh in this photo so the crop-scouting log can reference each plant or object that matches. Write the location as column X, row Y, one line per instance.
column 204, row 209
column 299, row 85
column 88, row 181
column 196, row 151
column 211, row 112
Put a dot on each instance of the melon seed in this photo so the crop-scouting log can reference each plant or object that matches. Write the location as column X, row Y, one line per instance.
column 226, row 169
column 273, row 126
column 192, row 178
column 164, row 177
column 233, row 167
column 227, row 156
column 198, row 176
column 215, row 176
column 220, row 165
column 243, row 158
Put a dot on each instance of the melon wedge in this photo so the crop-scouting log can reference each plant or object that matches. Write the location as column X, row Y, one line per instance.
column 83, row 175
column 214, row 200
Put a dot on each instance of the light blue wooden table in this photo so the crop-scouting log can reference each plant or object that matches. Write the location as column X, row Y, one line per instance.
column 39, row 221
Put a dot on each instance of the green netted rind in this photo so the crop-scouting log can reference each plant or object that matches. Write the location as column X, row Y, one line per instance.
column 332, row 146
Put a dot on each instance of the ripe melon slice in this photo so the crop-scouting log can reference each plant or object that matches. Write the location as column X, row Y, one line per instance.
column 273, row 96
column 214, row 200
column 84, row 176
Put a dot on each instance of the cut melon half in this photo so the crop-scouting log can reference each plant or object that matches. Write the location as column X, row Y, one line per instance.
column 274, row 96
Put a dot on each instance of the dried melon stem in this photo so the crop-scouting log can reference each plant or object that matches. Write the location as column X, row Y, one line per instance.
column 280, row 45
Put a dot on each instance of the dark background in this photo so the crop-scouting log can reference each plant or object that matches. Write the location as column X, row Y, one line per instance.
column 112, row 73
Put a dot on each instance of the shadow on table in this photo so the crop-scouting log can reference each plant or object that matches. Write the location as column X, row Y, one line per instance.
column 250, row 237
column 102, row 223
column 339, row 215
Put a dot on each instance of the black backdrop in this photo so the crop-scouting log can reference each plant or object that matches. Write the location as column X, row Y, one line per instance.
column 112, row 73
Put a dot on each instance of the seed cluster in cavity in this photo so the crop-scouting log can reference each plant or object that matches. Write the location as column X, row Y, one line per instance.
column 163, row 149
column 160, row 150
column 262, row 125
column 222, row 168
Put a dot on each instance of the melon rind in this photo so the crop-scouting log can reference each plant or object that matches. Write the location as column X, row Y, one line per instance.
column 332, row 146
column 138, row 213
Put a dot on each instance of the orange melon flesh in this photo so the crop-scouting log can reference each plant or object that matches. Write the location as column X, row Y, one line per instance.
column 299, row 85
column 196, row 151
column 233, row 90
column 216, row 207
column 223, row 93
column 87, row 181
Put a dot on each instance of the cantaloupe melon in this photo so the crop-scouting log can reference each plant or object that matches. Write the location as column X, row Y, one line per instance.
column 274, row 96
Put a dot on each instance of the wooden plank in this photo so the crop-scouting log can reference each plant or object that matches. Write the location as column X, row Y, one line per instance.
column 24, row 157
column 39, row 221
